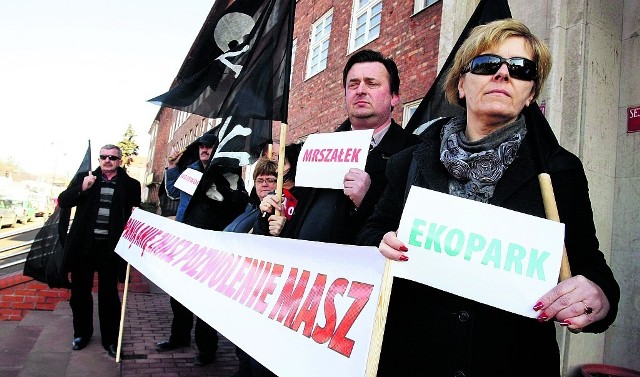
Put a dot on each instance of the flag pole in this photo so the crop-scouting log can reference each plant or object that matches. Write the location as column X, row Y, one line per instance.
column 124, row 306
column 551, row 210
column 281, row 157
column 380, row 321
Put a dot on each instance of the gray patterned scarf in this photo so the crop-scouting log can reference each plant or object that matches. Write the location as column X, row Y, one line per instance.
column 477, row 166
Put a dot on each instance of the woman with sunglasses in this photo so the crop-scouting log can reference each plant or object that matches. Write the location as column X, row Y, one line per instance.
column 486, row 155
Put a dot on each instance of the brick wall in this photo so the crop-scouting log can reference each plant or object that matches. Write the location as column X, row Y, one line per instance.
column 20, row 294
column 316, row 104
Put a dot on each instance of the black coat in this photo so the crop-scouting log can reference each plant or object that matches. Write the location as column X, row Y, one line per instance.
column 433, row 333
column 127, row 195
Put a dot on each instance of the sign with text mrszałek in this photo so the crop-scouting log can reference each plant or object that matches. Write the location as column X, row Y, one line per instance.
column 325, row 158
column 188, row 181
column 300, row 308
column 485, row 253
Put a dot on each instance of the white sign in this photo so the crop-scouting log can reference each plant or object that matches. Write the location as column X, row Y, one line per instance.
column 325, row 158
column 489, row 254
column 313, row 302
column 188, row 181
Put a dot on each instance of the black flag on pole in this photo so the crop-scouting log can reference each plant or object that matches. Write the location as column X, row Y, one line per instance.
column 46, row 259
column 239, row 64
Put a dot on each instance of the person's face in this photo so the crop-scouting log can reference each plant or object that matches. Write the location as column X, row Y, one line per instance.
column 498, row 98
column 368, row 95
column 265, row 184
column 107, row 165
column 205, row 153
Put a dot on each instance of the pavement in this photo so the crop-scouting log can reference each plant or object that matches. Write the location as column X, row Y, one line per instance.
column 40, row 345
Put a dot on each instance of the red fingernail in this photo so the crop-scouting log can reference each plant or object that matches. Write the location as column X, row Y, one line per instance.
column 403, row 258
column 566, row 322
column 538, row 306
column 403, row 248
column 543, row 317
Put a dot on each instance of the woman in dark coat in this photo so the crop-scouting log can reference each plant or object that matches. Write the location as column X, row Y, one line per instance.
column 487, row 156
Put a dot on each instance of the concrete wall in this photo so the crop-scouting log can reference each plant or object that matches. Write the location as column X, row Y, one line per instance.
column 595, row 77
column 623, row 340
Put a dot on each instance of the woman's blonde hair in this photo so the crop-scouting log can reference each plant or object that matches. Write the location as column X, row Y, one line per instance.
column 484, row 37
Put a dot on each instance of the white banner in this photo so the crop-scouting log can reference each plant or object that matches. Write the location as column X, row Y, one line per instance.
column 489, row 254
column 188, row 181
column 300, row 308
column 325, row 158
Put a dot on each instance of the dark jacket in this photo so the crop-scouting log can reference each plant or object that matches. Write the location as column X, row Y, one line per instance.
column 125, row 197
column 244, row 222
column 431, row 332
column 327, row 215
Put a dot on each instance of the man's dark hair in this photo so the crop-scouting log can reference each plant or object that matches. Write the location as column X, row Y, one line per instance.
column 365, row 56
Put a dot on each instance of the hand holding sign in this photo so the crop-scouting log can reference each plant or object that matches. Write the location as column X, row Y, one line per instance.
column 88, row 181
column 356, row 185
column 575, row 303
column 392, row 248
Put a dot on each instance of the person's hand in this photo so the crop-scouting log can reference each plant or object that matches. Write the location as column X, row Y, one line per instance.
column 269, row 204
column 356, row 185
column 88, row 181
column 392, row 248
column 276, row 223
column 173, row 158
column 575, row 303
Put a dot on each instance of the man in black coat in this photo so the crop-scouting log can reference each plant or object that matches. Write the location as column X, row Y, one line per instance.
column 104, row 200
column 372, row 89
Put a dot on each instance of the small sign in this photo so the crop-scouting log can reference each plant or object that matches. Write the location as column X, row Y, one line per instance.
column 188, row 181
column 633, row 119
column 325, row 158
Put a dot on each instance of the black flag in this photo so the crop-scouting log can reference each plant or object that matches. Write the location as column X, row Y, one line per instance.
column 46, row 259
column 239, row 64
column 434, row 104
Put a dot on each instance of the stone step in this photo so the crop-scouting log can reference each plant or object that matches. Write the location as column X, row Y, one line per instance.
column 18, row 340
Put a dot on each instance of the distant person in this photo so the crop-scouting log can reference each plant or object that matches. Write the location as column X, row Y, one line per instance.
column 104, row 200
column 213, row 214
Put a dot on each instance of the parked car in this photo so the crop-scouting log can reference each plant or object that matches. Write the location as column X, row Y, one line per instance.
column 42, row 205
column 24, row 210
column 8, row 215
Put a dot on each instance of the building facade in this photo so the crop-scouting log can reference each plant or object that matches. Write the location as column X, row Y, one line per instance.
column 593, row 83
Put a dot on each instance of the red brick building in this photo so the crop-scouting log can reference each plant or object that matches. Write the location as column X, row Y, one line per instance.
column 326, row 33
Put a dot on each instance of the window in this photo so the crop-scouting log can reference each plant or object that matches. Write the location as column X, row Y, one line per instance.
column 422, row 4
column 365, row 24
column 319, row 44
column 409, row 109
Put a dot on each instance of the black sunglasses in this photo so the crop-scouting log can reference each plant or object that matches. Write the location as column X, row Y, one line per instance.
column 519, row 68
column 112, row 158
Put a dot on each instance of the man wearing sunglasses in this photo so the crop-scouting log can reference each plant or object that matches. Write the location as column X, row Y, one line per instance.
column 104, row 199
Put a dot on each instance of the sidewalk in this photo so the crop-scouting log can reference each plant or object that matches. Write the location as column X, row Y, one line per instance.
column 40, row 345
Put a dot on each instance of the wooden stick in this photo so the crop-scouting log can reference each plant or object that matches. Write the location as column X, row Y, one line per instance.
column 380, row 321
column 124, row 306
column 551, row 210
column 283, row 140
